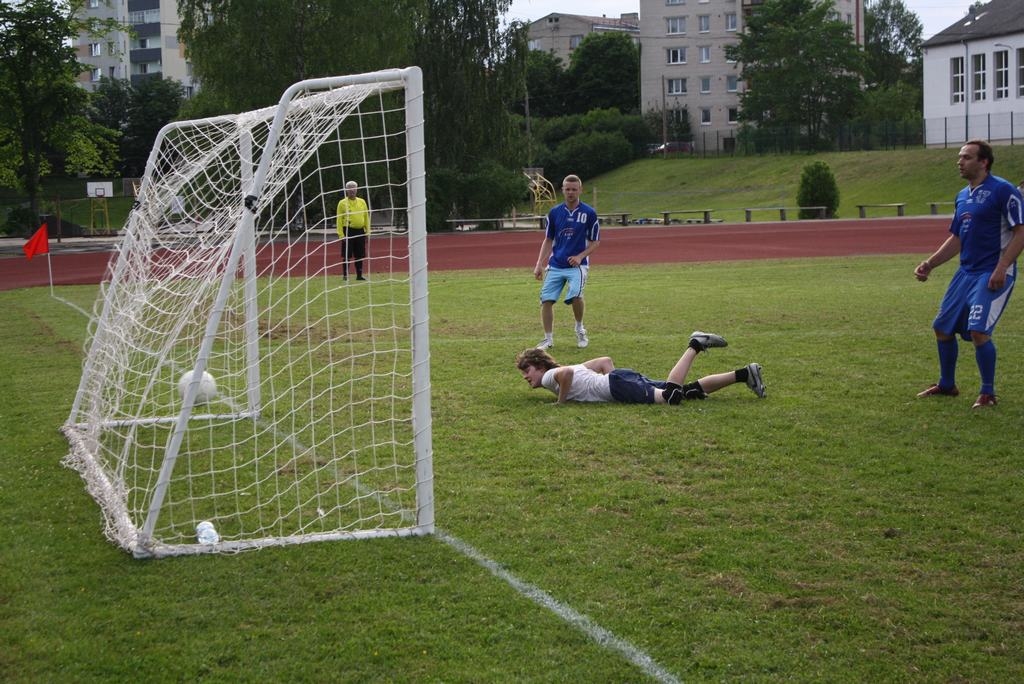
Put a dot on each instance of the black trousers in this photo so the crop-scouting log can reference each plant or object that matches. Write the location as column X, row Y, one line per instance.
column 353, row 247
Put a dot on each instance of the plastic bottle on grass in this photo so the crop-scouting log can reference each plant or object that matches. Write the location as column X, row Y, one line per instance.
column 206, row 533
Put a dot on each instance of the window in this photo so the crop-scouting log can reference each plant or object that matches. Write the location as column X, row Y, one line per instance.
column 734, row 115
column 705, row 54
column 150, row 16
column 675, row 2
column 676, row 55
column 111, row 47
column 1020, row 72
column 93, row 4
column 574, row 41
column 140, row 44
column 95, row 50
column 95, row 74
column 957, row 85
column 1001, row 75
column 675, row 25
column 675, row 86
column 704, row 23
column 730, row 21
column 705, row 84
column 705, row 116
column 534, row 44
column 111, row 72
column 732, row 83
column 978, row 93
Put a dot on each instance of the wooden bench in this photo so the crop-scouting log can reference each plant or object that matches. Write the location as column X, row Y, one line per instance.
column 464, row 225
column 935, row 206
column 900, row 206
column 623, row 217
column 666, row 216
column 748, row 212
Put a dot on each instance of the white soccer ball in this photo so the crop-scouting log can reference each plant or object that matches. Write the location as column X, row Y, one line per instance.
column 207, row 391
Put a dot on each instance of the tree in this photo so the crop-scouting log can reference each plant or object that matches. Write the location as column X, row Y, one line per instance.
column 604, row 71
column 472, row 69
column 154, row 103
column 473, row 76
column 42, row 109
column 892, row 44
column 667, row 125
column 247, row 53
column 109, row 103
column 545, row 76
column 801, row 65
column 893, row 63
column 137, row 113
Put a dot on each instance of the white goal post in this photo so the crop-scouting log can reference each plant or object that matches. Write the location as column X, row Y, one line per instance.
column 306, row 414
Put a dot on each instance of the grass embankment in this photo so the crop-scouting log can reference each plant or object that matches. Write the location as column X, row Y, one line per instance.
column 645, row 188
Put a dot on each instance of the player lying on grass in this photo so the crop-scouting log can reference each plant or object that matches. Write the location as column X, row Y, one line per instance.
column 599, row 379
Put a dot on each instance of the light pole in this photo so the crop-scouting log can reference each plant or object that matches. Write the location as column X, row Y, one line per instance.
column 967, row 92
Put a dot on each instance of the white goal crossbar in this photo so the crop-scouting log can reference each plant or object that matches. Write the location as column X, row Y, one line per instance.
column 305, row 414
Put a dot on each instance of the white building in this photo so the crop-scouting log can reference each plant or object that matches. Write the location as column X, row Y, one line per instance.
column 560, row 34
column 683, row 64
column 974, row 77
column 152, row 52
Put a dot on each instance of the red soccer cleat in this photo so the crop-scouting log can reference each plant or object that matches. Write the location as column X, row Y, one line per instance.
column 985, row 400
column 935, row 390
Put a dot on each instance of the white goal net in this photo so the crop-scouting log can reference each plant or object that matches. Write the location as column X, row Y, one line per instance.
column 307, row 416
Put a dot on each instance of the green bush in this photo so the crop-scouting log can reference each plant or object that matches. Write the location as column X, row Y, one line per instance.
column 818, row 189
column 20, row 221
column 588, row 155
column 487, row 192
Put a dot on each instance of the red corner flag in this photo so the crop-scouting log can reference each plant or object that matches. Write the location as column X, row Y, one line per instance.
column 39, row 243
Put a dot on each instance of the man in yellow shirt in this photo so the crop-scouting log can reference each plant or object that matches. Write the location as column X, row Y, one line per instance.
column 353, row 228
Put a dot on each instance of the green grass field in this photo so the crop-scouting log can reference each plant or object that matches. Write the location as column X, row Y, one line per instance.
column 839, row 530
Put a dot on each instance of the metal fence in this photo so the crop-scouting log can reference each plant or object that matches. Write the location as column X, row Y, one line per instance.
column 1000, row 129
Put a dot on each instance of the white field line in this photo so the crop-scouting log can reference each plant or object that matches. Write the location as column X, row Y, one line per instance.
column 591, row 629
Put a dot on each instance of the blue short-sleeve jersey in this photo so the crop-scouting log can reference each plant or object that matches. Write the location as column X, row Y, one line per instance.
column 570, row 231
column 983, row 220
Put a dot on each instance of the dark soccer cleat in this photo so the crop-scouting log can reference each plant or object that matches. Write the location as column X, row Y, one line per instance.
column 935, row 390
column 985, row 400
column 754, row 380
column 703, row 341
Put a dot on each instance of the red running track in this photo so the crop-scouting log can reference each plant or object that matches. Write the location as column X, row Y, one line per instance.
column 626, row 245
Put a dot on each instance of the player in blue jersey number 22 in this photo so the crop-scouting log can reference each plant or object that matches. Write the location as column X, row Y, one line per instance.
column 987, row 232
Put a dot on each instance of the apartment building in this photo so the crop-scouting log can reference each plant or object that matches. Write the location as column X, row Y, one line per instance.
column 560, row 34
column 683, row 68
column 974, row 77
column 152, row 52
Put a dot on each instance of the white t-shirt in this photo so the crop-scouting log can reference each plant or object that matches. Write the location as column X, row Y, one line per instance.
column 587, row 385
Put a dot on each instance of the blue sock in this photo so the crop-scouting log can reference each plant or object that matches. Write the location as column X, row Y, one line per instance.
column 948, row 350
column 986, row 357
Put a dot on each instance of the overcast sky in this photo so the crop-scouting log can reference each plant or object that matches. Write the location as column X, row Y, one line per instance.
column 935, row 15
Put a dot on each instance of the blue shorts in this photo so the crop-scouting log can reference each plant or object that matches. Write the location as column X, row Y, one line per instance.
column 969, row 306
column 573, row 279
column 629, row 387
